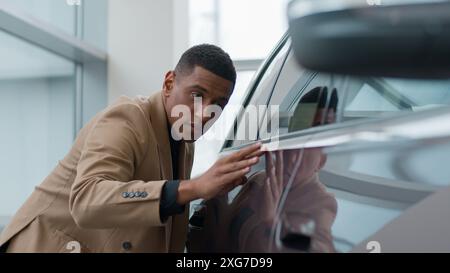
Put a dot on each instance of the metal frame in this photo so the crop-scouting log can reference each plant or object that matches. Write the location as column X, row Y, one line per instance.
column 48, row 37
column 247, row 64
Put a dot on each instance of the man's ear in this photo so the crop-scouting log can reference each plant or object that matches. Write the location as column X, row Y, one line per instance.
column 169, row 81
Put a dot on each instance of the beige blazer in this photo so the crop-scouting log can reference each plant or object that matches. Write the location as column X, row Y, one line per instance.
column 123, row 149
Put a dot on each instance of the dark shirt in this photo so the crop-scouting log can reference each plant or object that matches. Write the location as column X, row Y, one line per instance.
column 168, row 203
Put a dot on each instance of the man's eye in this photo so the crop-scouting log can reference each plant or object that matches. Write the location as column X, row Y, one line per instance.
column 196, row 95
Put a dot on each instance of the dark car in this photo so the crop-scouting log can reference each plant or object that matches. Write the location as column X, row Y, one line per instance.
column 357, row 163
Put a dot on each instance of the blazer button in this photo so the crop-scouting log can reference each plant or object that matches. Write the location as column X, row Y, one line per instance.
column 137, row 194
column 131, row 195
column 127, row 245
column 125, row 194
column 144, row 194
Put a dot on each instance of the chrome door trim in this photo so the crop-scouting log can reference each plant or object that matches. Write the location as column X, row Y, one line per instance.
column 433, row 125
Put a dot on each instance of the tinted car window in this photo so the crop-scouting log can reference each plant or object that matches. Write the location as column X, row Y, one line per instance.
column 247, row 129
column 305, row 99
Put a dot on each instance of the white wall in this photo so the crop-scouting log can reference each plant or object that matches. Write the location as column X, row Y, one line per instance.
column 145, row 40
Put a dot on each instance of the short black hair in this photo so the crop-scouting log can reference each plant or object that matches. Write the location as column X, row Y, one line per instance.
column 209, row 57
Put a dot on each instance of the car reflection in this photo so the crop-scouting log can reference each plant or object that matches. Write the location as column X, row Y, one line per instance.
column 283, row 207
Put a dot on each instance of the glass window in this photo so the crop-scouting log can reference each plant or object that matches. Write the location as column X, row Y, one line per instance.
column 247, row 130
column 304, row 99
column 258, row 31
column 202, row 20
column 381, row 97
column 95, row 23
column 56, row 12
column 308, row 99
column 228, row 23
column 37, row 110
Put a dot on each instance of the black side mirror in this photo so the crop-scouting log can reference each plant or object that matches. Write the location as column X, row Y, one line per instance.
column 401, row 40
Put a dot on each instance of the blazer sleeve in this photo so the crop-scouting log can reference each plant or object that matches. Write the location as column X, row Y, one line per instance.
column 104, row 194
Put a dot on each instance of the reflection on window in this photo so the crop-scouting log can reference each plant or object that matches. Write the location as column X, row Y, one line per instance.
column 37, row 112
column 377, row 97
column 304, row 99
column 55, row 12
column 368, row 99
column 312, row 110
column 356, row 221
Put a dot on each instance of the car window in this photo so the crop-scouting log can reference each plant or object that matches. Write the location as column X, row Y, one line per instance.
column 384, row 97
column 247, row 129
column 304, row 99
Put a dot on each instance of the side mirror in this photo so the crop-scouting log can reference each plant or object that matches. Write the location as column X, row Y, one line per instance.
column 409, row 40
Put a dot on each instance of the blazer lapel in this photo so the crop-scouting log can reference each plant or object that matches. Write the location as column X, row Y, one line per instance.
column 179, row 223
column 159, row 123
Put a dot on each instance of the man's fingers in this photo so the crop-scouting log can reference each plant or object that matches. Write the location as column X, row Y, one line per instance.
column 257, row 153
column 237, row 156
column 233, row 166
column 232, row 176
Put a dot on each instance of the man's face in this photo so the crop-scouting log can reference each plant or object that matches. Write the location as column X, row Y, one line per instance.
column 201, row 89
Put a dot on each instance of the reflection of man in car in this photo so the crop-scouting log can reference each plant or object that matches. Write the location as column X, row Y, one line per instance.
column 312, row 109
column 273, row 208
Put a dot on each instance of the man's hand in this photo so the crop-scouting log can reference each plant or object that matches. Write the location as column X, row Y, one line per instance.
column 227, row 173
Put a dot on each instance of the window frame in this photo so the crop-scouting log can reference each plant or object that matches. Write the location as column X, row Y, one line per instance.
column 253, row 85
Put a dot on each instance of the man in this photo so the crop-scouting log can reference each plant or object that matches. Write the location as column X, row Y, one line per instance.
column 124, row 186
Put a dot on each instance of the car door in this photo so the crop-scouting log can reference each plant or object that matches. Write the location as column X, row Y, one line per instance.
column 375, row 144
column 382, row 162
column 217, row 210
column 347, row 160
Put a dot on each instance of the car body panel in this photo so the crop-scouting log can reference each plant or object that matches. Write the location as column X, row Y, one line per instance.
column 355, row 180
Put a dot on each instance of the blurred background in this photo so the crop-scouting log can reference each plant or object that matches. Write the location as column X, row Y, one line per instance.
column 62, row 61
